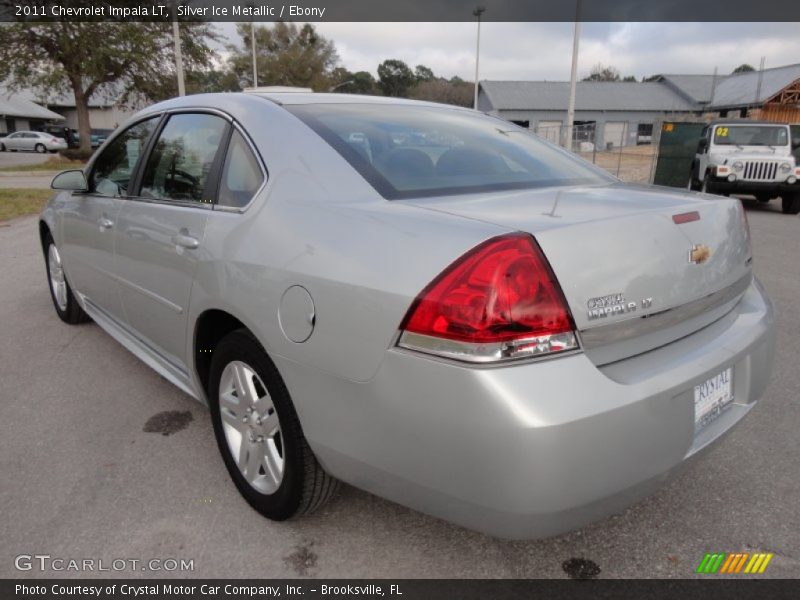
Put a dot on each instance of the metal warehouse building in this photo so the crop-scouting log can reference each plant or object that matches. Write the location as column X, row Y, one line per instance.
column 617, row 113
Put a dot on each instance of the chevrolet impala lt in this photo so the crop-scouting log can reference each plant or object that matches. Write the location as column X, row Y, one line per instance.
column 422, row 301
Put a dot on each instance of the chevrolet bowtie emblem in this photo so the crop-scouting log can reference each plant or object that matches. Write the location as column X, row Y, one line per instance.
column 700, row 253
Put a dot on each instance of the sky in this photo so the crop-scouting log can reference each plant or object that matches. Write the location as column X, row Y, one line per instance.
column 542, row 51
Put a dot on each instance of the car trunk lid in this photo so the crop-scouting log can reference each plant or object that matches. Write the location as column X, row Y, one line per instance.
column 639, row 266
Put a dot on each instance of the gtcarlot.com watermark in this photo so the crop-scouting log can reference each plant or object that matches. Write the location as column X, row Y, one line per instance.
column 46, row 562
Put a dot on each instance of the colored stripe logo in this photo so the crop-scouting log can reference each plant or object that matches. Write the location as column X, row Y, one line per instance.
column 734, row 563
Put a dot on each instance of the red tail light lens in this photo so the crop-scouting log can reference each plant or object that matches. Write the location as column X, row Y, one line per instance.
column 499, row 301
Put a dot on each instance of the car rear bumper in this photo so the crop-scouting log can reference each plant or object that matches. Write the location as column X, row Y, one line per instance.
column 534, row 449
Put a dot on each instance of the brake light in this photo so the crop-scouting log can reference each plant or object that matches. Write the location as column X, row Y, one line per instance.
column 53, row 140
column 499, row 301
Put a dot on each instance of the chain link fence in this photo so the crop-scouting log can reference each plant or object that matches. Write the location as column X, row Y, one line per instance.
column 634, row 163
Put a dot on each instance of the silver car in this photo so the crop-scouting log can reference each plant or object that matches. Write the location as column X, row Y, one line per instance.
column 422, row 301
column 33, row 141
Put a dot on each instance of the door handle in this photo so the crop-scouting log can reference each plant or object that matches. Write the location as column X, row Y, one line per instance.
column 185, row 240
column 105, row 223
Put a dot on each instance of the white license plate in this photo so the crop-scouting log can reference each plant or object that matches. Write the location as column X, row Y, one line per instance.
column 712, row 397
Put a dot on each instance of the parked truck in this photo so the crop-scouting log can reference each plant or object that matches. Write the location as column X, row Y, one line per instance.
column 748, row 157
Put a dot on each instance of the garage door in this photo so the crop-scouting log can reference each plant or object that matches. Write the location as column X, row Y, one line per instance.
column 614, row 133
column 550, row 130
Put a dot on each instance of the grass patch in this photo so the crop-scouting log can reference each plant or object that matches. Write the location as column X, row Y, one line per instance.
column 54, row 163
column 22, row 202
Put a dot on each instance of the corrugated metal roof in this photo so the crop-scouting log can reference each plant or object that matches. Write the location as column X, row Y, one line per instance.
column 14, row 105
column 696, row 87
column 740, row 89
column 589, row 95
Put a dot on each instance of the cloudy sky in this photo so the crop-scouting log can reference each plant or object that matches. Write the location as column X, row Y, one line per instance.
column 539, row 51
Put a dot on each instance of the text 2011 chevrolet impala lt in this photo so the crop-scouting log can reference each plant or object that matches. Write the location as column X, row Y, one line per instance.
column 423, row 301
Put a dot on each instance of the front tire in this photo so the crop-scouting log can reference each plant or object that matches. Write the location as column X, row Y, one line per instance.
column 67, row 307
column 694, row 184
column 790, row 203
column 259, row 434
column 706, row 185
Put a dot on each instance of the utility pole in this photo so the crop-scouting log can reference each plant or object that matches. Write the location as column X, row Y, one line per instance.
column 760, row 80
column 479, row 10
column 573, row 77
column 253, row 47
column 713, row 87
column 176, row 38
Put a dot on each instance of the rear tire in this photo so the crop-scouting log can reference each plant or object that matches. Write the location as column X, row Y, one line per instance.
column 268, row 459
column 2, row 147
column 67, row 307
column 40, row 148
column 790, row 203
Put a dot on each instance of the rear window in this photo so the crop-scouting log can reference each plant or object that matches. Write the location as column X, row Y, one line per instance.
column 416, row 151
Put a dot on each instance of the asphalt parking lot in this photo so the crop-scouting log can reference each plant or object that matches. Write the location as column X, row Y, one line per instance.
column 25, row 179
column 82, row 478
column 19, row 159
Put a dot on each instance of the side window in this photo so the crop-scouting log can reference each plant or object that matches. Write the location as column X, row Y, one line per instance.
column 113, row 169
column 179, row 165
column 241, row 175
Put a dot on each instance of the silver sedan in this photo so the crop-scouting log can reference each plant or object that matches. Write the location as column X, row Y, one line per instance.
column 423, row 301
column 33, row 141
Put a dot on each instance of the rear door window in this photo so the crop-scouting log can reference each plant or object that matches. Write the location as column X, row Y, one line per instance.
column 180, row 164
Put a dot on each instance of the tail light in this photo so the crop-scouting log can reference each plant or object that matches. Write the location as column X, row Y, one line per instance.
column 498, row 302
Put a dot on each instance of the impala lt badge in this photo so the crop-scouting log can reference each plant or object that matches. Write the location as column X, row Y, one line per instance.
column 699, row 254
column 614, row 304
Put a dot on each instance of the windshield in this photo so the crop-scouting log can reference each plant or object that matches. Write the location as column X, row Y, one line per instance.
column 415, row 151
column 751, row 135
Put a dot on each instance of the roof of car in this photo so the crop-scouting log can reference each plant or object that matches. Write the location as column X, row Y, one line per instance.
column 242, row 102
column 292, row 97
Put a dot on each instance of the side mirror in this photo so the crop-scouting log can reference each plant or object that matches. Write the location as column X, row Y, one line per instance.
column 702, row 145
column 71, row 181
column 796, row 142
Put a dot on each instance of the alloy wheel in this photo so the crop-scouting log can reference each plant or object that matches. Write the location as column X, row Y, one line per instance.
column 251, row 426
column 58, row 282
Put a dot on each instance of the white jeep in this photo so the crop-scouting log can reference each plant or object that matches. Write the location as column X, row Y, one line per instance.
column 748, row 157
